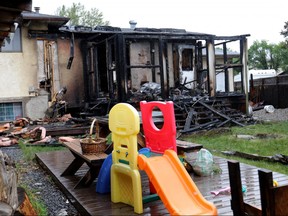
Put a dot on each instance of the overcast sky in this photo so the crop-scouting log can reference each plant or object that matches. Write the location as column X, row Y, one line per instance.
column 262, row 19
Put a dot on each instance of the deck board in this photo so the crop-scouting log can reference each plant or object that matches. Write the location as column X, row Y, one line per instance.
column 88, row 202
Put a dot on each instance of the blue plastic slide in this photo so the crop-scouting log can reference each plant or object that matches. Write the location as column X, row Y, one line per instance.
column 103, row 183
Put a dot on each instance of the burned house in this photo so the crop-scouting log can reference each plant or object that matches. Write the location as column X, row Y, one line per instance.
column 99, row 67
column 130, row 65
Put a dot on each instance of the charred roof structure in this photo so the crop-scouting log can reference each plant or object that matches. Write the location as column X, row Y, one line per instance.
column 130, row 65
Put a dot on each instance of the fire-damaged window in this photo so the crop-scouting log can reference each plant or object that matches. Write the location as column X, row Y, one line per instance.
column 10, row 111
column 187, row 75
column 187, row 59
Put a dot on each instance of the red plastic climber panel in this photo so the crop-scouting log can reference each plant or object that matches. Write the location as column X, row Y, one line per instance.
column 159, row 140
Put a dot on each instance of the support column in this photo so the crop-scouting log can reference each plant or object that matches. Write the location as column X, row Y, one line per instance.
column 244, row 47
column 211, row 67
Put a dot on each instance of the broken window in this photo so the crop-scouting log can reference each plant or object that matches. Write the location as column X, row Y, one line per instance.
column 10, row 111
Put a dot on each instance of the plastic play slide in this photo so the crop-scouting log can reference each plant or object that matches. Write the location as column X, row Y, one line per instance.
column 104, row 181
column 174, row 185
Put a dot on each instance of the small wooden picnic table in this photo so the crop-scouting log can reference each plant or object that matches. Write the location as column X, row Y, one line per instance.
column 94, row 162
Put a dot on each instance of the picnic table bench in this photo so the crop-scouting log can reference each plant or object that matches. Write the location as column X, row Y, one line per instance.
column 94, row 162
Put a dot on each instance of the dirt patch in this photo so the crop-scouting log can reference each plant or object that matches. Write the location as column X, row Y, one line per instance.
column 267, row 136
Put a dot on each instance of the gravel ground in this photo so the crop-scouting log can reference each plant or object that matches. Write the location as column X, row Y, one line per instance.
column 37, row 180
column 56, row 202
column 277, row 115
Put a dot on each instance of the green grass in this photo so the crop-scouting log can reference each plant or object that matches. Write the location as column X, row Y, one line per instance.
column 30, row 151
column 226, row 140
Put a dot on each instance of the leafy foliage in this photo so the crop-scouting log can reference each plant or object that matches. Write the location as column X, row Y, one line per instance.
column 80, row 16
column 284, row 32
column 264, row 55
column 281, row 51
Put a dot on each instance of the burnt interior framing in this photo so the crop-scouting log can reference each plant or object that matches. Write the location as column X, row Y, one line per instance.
column 111, row 58
column 110, row 65
column 115, row 61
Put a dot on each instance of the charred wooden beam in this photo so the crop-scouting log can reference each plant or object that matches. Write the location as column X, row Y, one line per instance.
column 189, row 120
column 160, row 47
column 226, row 66
column 144, row 66
column 201, row 126
column 71, row 57
column 219, row 113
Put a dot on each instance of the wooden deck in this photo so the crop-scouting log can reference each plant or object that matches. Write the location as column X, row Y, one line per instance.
column 88, row 202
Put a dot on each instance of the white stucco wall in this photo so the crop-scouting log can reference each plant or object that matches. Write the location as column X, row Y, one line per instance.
column 18, row 70
column 18, row 74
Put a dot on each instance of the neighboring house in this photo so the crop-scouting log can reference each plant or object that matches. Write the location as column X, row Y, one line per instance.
column 33, row 67
column 255, row 75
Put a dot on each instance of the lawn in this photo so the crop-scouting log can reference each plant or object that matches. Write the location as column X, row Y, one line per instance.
column 266, row 139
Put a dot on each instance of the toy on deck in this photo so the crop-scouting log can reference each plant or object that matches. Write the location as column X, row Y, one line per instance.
column 159, row 140
column 125, row 177
column 174, row 185
column 168, row 176
column 172, row 182
column 104, row 182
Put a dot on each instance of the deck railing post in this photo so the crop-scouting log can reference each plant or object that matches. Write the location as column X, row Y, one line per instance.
column 266, row 194
column 237, row 203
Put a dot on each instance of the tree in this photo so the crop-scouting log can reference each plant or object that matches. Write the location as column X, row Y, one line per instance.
column 285, row 31
column 262, row 55
column 281, row 50
column 80, row 16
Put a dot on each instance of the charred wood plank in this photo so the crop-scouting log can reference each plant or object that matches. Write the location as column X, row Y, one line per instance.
column 60, row 131
column 247, row 156
column 189, row 120
column 280, row 158
column 219, row 113
column 223, row 123
column 200, row 126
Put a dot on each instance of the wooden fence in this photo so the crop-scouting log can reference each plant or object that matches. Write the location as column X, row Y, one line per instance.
column 273, row 91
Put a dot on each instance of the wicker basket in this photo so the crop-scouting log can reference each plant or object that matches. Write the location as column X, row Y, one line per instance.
column 93, row 146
